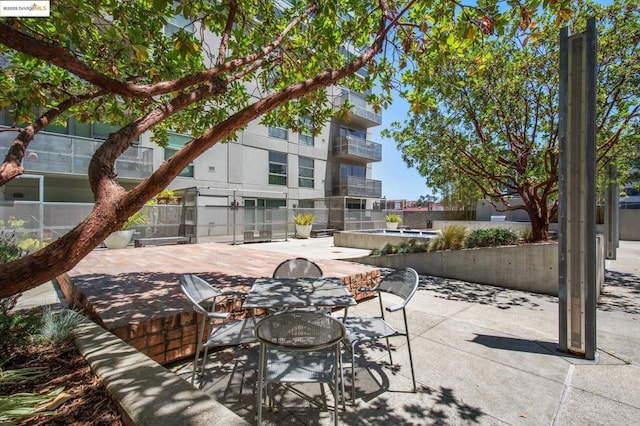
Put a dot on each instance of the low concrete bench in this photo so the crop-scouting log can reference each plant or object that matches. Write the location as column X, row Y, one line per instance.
column 322, row 232
column 148, row 394
column 160, row 241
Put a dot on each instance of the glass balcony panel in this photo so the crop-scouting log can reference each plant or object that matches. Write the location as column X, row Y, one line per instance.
column 56, row 153
column 354, row 148
column 353, row 186
column 361, row 112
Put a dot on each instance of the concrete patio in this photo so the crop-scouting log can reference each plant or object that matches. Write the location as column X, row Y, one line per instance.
column 483, row 355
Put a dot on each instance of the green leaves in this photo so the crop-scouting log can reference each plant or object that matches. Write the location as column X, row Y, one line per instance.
column 488, row 117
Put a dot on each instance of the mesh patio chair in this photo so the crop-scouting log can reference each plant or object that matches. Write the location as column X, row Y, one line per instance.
column 299, row 347
column 298, row 267
column 402, row 284
column 222, row 331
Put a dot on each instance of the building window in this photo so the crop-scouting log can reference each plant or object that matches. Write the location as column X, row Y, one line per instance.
column 102, row 130
column 278, row 132
column 305, row 137
column 346, row 131
column 305, row 172
column 306, row 204
column 178, row 23
column 277, row 168
column 353, row 170
column 175, row 143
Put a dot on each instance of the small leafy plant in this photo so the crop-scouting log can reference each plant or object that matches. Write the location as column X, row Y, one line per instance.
column 412, row 245
column 393, row 217
column 451, row 238
column 490, row 238
column 139, row 218
column 9, row 250
column 57, row 326
column 304, row 218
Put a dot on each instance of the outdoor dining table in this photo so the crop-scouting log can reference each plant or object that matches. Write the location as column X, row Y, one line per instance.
column 291, row 293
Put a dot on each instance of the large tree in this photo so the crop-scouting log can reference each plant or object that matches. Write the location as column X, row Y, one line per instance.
column 227, row 63
column 488, row 117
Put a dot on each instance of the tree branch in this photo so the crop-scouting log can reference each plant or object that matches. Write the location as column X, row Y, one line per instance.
column 12, row 165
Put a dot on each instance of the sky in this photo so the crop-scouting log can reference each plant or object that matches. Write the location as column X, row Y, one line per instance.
column 399, row 182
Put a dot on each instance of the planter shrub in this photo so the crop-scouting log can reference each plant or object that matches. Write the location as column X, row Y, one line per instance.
column 451, row 238
column 490, row 238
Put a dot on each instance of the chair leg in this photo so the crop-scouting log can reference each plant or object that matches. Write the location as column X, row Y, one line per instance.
column 389, row 351
column 324, row 397
column 204, row 360
column 413, row 375
column 353, row 375
column 335, row 386
column 195, row 367
column 344, row 405
column 260, row 394
column 406, row 328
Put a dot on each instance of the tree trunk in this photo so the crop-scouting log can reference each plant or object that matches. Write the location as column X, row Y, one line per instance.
column 539, row 229
column 58, row 257
column 538, row 215
column 113, row 206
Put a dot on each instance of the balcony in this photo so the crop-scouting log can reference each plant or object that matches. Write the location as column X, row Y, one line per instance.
column 357, row 149
column 361, row 112
column 65, row 154
column 352, row 186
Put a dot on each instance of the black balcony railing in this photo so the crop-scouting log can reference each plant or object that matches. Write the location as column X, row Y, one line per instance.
column 352, row 186
column 358, row 149
column 56, row 153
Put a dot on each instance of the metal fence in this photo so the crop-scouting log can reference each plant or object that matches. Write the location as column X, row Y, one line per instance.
column 34, row 223
column 258, row 224
column 39, row 223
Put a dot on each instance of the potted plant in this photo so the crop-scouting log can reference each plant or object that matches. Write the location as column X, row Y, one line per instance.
column 393, row 219
column 303, row 221
column 168, row 196
column 120, row 239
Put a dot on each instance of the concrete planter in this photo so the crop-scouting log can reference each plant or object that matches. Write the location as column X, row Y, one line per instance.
column 303, row 231
column 527, row 267
column 118, row 239
column 392, row 225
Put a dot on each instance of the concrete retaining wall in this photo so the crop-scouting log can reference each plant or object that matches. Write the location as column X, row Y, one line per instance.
column 529, row 267
column 367, row 241
column 629, row 223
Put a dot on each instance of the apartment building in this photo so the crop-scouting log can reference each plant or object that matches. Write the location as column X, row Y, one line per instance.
column 265, row 167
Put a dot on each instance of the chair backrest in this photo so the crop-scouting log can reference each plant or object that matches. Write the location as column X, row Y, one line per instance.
column 299, row 267
column 198, row 291
column 402, row 283
column 300, row 330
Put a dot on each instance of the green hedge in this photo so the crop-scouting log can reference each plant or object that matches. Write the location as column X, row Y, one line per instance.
column 490, row 238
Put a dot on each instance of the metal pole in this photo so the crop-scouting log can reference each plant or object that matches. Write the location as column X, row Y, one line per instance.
column 41, row 209
column 562, row 189
column 234, row 210
column 286, row 222
column 590, row 201
column 576, row 182
column 610, row 211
